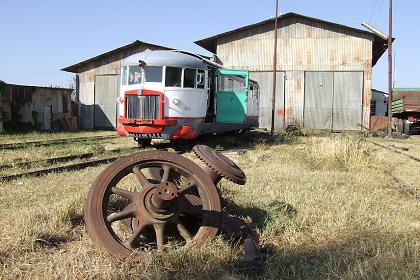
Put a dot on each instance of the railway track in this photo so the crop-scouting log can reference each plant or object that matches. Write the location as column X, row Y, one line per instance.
column 19, row 145
column 395, row 150
column 68, row 167
column 48, row 160
column 403, row 185
column 80, row 165
column 60, row 168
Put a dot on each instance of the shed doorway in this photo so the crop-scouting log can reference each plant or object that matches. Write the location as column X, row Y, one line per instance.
column 333, row 101
column 106, row 94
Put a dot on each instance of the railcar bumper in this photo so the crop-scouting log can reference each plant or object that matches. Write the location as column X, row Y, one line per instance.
column 159, row 129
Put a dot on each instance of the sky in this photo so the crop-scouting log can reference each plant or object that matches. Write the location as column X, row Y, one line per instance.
column 38, row 38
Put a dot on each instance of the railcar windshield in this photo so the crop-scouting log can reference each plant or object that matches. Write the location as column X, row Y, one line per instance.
column 153, row 74
column 134, row 75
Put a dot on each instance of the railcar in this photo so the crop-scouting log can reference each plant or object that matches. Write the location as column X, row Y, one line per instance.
column 177, row 95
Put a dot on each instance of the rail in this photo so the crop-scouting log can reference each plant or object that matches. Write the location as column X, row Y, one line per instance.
column 19, row 145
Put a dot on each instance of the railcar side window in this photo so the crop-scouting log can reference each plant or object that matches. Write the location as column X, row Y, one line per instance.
column 134, row 75
column 189, row 78
column 153, row 74
column 201, row 77
column 173, row 76
column 124, row 75
column 231, row 83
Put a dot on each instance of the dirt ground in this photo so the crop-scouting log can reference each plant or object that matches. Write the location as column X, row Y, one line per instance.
column 329, row 204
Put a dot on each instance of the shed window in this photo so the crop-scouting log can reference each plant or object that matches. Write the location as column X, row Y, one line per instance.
column 201, row 77
column 153, row 74
column 134, row 75
column 189, row 78
column 173, row 77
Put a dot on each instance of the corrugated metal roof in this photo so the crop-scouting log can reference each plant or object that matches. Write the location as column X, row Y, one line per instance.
column 379, row 45
column 74, row 68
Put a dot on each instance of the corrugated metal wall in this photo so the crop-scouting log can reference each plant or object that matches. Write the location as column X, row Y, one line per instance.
column 319, row 95
column 333, row 100
column 106, row 94
column 347, row 106
column 303, row 46
column 265, row 82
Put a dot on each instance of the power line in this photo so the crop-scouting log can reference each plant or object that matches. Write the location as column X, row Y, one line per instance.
column 380, row 8
column 372, row 9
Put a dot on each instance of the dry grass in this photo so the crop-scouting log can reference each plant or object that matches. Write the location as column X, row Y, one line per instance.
column 324, row 202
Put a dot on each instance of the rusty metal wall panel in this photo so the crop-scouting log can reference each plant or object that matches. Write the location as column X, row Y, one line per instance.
column 302, row 45
column 294, row 98
column 265, row 81
column 347, row 106
column 319, row 91
column 106, row 93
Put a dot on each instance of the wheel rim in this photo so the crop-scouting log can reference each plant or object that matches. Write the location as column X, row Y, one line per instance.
column 125, row 220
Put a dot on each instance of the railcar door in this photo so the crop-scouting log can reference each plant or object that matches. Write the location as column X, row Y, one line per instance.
column 232, row 91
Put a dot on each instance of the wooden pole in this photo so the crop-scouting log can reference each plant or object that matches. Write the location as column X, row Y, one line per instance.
column 390, row 71
column 273, row 99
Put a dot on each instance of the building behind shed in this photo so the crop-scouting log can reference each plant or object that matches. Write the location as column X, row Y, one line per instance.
column 46, row 108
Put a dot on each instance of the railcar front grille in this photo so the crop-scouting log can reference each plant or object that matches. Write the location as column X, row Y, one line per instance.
column 145, row 107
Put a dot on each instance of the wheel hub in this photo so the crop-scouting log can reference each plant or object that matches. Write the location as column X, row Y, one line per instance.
column 159, row 203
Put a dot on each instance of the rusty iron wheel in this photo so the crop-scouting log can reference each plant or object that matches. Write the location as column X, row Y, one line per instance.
column 127, row 213
column 219, row 165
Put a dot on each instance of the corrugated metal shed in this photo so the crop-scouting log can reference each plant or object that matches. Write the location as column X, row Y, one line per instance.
column 306, row 47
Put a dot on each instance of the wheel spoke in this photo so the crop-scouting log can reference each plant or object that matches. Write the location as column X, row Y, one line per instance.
column 166, row 171
column 124, row 193
column 159, row 236
column 134, row 236
column 140, row 176
column 118, row 216
column 184, row 232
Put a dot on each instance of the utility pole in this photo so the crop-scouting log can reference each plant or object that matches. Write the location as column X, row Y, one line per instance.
column 390, row 71
column 273, row 100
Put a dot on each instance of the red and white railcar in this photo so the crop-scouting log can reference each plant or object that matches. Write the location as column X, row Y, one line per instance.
column 173, row 95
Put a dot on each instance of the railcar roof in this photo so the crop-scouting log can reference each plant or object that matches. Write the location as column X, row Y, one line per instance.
column 165, row 58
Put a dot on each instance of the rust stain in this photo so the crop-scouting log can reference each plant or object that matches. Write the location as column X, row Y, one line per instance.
column 357, row 56
column 309, row 57
column 280, row 112
column 299, row 58
column 289, row 114
column 298, row 86
column 344, row 59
